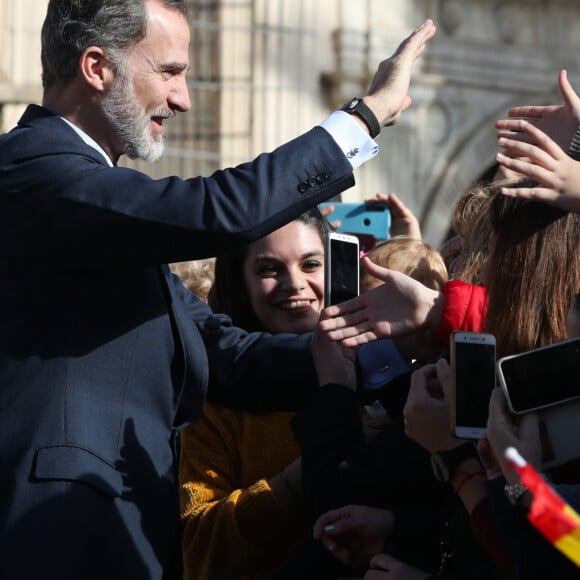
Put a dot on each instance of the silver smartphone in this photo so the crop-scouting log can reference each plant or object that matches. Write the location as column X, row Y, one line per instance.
column 546, row 381
column 473, row 378
column 341, row 268
column 541, row 378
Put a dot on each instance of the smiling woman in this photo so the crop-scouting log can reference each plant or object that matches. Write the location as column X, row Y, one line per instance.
column 257, row 284
column 284, row 278
column 240, row 475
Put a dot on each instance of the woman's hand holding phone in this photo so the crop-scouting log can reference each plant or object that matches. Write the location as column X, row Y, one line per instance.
column 503, row 431
column 427, row 411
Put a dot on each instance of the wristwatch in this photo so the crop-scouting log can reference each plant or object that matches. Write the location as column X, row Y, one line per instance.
column 514, row 492
column 358, row 107
column 443, row 462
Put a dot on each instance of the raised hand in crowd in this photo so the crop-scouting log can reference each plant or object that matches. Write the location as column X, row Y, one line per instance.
column 403, row 220
column 559, row 122
column 542, row 159
column 428, row 422
column 399, row 306
column 388, row 92
column 427, row 410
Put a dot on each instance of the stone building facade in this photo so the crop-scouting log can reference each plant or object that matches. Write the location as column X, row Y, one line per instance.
column 265, row 70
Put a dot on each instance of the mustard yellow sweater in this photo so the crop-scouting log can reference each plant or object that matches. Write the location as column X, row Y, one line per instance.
column 233, row 526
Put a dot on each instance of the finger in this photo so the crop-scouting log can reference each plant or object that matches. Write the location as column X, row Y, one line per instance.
column 379, row 198
column 354, row 332
column 568, row 93
column 533, row 172
column 498, row 408
column 529, row 427
column 540, row 194
column 513, row 125
column 396, row 205
column 497, row 401
column 418, row 385
column 519, row 149
column 542, row 139
column 358, row 339
column 531, row 111
column 414, row 44
column 338, row 551
column 407, row 102
column 324, row 520
column 376, row 271
column 384, row 197
column 424, row 372
column 381, row 562
column 340, row 526
column 352, row 306
column 419, row 52
column 336, row 319
column 444, row 376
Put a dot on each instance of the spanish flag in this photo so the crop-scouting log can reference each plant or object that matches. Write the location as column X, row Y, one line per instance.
column 553, row 517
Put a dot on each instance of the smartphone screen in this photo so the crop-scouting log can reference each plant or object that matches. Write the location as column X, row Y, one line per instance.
column 341, row 268
column 541, row 377
column 473, row 369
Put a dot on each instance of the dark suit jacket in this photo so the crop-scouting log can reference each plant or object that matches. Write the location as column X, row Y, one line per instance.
column 104, row 354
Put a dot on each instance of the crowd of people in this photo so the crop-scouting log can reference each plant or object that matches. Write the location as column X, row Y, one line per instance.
column 178, row 403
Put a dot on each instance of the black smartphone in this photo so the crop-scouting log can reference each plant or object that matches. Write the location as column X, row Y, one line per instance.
column 341, row 268
column 542, row 377
column 473, row 378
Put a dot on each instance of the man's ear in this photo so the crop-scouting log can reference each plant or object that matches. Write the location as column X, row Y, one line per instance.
column 96, row 69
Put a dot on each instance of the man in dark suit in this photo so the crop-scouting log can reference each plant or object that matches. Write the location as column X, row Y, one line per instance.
column 103, row 353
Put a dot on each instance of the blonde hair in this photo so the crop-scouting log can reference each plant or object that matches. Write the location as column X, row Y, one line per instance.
column 409, row 256
column 196, row 275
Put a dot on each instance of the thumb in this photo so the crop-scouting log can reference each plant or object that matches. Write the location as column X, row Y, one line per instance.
column 568, row 93
column 339, row 527
column 375, row 270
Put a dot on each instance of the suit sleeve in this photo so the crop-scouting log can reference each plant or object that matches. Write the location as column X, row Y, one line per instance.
column 243, row 366
column 85, row 208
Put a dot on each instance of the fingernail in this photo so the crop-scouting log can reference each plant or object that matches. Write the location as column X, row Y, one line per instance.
column 329, row 528
column 376, row 410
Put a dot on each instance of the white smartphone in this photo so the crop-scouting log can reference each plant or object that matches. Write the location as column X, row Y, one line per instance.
column 473, row 378
column 341, row 268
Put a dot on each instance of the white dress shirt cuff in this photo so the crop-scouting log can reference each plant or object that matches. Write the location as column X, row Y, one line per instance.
column 354, row 141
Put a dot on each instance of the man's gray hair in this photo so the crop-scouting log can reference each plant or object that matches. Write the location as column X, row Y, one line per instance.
column 71, row 26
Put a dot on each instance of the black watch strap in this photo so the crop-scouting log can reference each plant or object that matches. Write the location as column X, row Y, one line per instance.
column 444, row 462
column 358, row 107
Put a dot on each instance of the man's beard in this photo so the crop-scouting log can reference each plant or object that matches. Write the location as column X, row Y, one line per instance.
column 130, row 121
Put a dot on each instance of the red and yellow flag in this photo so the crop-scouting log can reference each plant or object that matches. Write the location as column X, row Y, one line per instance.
column 549, row 513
